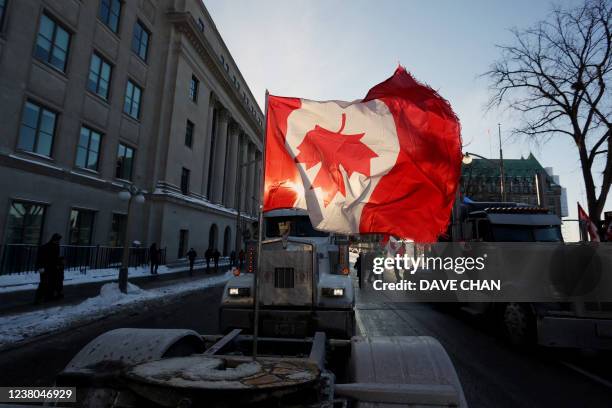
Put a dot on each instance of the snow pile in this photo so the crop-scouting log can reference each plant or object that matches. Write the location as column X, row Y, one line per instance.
column 240, row 371
column 169, row 368
column 195, row 368
column 111, row 295
column 196, row 371
column 14, row 328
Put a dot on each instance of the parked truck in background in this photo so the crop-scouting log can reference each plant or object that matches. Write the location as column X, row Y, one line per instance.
column 561, row 324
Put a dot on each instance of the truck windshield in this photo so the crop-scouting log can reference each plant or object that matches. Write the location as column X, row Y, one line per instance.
column 526, row 233
column 299, row 226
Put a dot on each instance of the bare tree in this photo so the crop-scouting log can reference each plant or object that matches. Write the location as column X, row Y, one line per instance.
column 556, row 75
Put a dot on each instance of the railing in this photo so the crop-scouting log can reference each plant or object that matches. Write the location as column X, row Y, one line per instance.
column 20, row 258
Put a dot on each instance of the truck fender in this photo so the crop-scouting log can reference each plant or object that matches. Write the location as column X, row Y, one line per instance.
column 415, row 369
column 125, row 347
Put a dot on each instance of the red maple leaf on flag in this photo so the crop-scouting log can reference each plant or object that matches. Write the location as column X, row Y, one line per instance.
column 332, row 150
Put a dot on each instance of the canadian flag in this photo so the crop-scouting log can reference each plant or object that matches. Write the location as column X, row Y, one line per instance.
column 584, row 219
column 389, row 163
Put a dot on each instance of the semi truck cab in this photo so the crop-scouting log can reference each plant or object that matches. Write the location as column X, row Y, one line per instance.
column 561, row 324
column 304, row 285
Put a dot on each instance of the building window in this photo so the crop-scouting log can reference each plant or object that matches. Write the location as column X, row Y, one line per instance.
column 131, row 105
column 37, row 129
column 25, row 223
column 3, row 12
column 193, row 88
column 185, row 181
column 99, row 76
column 81, row 227
column 125, row 162
column 88, row 149
column 110, row 10
column 189, row 134
column 118, row 225
column 183, row 240
column 52, row 43
column 140, row 40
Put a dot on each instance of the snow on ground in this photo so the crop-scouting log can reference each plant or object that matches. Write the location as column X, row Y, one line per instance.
column 29, row 280
column 14, row 328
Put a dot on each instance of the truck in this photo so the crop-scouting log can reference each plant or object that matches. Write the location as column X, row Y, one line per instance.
column 308, row 353
column 304, row 286
column 554, row 324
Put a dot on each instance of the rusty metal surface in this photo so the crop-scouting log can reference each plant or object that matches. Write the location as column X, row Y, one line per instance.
column 125, row 347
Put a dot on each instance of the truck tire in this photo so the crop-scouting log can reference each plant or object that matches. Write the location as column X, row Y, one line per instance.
column 518, row 323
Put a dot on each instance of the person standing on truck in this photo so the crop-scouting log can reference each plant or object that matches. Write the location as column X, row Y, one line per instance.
column 191, row 255
column 208, row 255
column 216, row 256
column 47, row 262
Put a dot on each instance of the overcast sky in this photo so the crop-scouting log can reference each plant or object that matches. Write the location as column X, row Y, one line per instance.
column 339, row 49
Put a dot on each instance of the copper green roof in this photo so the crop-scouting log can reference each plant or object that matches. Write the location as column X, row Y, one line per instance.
column 523, row 167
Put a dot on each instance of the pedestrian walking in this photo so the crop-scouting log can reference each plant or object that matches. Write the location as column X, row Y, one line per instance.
column 191, row 255
column 216, row 255
column 233, row 258
column 58, row 279
column 208, row 255
column 154, row 258
column 241, row 258
column 47, row 262
column 358, row 268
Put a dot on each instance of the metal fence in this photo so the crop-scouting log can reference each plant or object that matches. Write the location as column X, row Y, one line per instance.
column 20, row 258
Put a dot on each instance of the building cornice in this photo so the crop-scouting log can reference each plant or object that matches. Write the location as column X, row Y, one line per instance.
column 185, row 24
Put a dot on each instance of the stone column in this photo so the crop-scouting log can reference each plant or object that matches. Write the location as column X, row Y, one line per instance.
column 244, row 181
column 249, row 180
column 207, row 150
column 257, row 182
column 219, row 156
column 231, row 168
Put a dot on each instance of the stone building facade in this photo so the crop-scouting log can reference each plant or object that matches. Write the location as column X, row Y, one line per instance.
column 525, row 181
column 99, row 95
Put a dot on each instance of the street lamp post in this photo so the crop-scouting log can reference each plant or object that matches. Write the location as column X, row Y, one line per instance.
column 501, row 164
column 467, row 159
column 131, row 193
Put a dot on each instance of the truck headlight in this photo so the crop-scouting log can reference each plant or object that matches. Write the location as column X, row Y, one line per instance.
column 243, row 292
column 333, row 292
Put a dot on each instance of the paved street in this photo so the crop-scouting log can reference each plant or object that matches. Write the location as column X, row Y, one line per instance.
column 492, row 374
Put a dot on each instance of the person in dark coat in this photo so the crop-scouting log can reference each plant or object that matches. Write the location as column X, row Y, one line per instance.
column 191, row 255
column 47, row 262
column 216, row 255
column 241, row 258
column 358, row 268
column 208, row 255
column 58, row 279
column 154, row 258
column 233, row 258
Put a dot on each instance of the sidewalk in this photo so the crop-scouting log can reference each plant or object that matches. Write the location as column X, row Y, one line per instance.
column 31, row 323
column 17, row 292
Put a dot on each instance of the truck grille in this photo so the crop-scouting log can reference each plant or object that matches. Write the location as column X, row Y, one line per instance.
column 284, row 278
